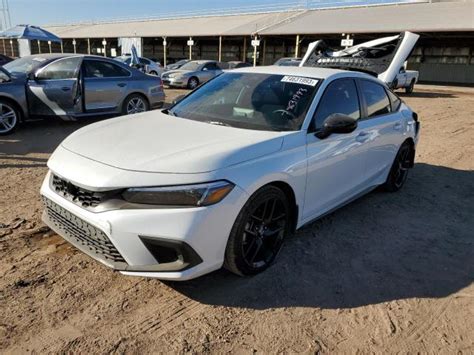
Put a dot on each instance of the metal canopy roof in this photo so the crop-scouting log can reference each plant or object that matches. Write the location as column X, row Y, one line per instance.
column 423, row 17
column 227, row 25
column 441, row 16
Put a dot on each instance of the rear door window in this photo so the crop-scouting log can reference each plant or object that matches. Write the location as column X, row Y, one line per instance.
column 376, row 98
column 102, row 69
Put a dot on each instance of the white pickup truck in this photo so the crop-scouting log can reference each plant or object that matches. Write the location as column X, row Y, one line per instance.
column 405, row 79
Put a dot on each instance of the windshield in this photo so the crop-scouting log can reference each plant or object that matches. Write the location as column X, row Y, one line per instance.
column 24, row 65
column 252, row 101
column 192, row 66
column 123, row 59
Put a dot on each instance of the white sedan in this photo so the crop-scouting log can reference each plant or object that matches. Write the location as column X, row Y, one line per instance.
column 226, row 174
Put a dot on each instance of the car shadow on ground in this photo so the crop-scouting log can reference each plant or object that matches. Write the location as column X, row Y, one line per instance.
column 416, row 243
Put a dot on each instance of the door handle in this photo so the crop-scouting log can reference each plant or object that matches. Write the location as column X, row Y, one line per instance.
column 122, row 85
column 66, row 88
column 362, row 137
column 397, row 126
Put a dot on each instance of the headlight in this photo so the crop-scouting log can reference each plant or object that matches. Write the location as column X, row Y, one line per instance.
column 184, row 195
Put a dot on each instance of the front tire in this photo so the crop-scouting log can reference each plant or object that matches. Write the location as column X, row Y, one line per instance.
column 135, row 103
column 399, row 172
column 9, row 118
column 258, row 232
column 193, row 83
column 153, row 73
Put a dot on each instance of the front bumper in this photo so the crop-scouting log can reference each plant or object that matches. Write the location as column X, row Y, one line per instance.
column 132, row 241
column 175, row 82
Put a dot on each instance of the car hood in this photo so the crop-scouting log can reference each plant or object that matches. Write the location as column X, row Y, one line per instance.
column 156, row 142
column 177, row 71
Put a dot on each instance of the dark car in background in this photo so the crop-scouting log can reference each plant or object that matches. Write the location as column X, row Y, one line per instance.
column 288, row 62
column 238, row 64
column 73, row 86
column 4, row 59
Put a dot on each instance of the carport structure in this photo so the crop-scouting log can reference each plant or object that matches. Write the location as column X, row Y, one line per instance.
column 444, row 52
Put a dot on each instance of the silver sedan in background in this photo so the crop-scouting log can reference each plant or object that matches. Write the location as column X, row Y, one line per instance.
column 193, row 73
column 148, row 65
column 73, row 86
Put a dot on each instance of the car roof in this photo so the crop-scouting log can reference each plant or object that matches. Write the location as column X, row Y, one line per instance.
column 311, row 72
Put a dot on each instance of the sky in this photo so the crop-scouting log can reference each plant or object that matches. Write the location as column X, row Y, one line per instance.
column 42, row 12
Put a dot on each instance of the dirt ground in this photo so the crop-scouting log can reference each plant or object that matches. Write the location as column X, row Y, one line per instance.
column 387, row 273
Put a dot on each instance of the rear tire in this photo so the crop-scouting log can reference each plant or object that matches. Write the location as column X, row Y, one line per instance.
column 9, row 117
column 258, row 232
column 399, row 172
column 193, row 83
column 153, row 73
column 410, row 89
column 135, row 103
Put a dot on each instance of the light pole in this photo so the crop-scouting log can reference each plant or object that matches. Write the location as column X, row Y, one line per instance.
column 74, row 44
column 104, row 43
column 50, row 49
column 255, row 44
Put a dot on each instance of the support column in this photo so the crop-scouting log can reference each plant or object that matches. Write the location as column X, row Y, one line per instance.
column 74, row 45
column 255, row 53
column 4, row 47
column 244, row 55
column 104, row 43
column 39, row 46
column 190, row 48
column 50, row 49
column 62, row 47
column 165, row 44
column 264, row 50
column 297, row 47
column 88, row 46
column 220, row 48
column 11, row 45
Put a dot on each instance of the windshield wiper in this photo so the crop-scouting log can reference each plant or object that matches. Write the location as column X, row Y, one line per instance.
column 218, row 123
column 168, row 112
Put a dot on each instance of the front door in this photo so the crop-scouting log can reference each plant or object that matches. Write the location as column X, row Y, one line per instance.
column 55, row 89
column 105, row 85
column 336, row 164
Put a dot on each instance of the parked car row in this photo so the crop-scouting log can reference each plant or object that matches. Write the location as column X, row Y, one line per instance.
column 223, row 176
column 73, row 86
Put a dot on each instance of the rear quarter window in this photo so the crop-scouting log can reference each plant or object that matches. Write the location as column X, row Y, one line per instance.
column 395, row 101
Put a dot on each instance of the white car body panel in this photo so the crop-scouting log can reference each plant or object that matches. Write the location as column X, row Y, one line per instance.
column 154, row 149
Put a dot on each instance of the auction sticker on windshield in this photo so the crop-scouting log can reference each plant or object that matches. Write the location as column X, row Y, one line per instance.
column 299, row 80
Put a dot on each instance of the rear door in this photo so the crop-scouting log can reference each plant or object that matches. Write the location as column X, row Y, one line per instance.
column 384, row 127
column 105, row 85
column 55, row 90
column 209, row 71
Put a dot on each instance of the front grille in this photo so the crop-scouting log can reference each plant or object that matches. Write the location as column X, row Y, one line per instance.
column 78, row 195
column 83, row 235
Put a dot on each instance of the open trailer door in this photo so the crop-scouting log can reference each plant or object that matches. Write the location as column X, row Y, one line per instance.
column 382, row 57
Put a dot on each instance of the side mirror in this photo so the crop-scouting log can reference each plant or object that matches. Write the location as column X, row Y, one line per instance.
column 205, row 69
column 337, row 123
column 31, row 76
